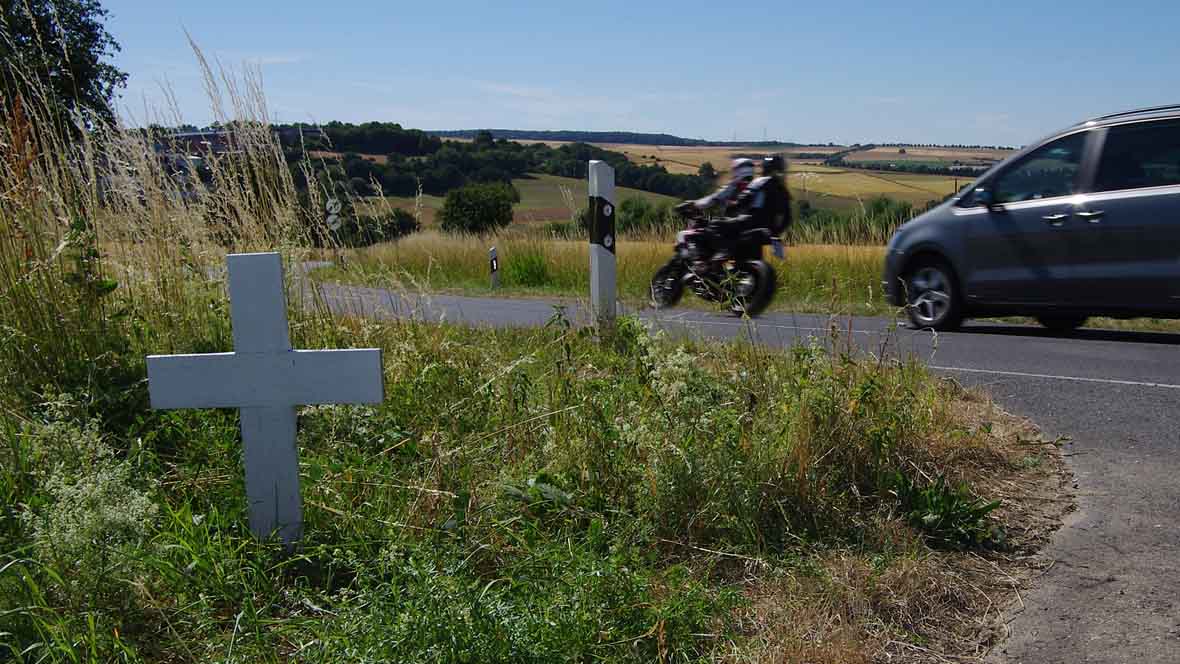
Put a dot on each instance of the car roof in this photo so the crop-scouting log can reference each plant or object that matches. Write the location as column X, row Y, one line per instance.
column 1149, row 113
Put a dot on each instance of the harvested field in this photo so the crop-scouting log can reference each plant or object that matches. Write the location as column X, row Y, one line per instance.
column 967, row 156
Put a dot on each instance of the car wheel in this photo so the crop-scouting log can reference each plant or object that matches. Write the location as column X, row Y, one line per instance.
column 1062, row 323
column 932, row 296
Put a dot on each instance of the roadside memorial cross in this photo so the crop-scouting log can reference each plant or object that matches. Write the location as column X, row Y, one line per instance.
column 265, row 380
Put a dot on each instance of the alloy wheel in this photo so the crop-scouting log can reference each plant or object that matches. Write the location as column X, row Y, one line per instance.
column 930, row 296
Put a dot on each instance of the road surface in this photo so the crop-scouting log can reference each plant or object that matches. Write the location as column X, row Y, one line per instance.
column 1112, row 590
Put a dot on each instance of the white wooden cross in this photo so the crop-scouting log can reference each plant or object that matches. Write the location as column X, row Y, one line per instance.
column 265, row 380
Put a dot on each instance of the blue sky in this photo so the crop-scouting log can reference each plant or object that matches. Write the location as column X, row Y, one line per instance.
column 946, row 72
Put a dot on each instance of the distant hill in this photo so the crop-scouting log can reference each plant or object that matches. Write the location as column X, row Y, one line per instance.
column 628, row 137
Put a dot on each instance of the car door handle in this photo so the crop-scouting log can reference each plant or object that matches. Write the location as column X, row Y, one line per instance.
column 1056, row 219
column 1092, row 216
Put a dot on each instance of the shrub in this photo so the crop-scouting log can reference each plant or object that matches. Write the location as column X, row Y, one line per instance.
column 91, row 523
column 636, row 216
column 360, row 186
column 365, row 231
column 478, row 209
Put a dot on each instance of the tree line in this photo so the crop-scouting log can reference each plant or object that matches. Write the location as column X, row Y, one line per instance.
column 628, row 137
column 918, row 167
column 439, row 167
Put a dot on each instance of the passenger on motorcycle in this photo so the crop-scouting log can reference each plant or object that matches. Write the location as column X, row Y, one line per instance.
column 764, row 204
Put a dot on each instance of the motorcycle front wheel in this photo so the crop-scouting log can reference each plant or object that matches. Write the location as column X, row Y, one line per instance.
column 667, row 286
column 752, row 288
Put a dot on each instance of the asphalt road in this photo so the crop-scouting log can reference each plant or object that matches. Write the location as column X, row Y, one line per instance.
column 1112, row 591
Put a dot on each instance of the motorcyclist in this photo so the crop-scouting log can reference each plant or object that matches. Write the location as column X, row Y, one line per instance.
column 741, row 173
column 765, row 203
column 721, row 202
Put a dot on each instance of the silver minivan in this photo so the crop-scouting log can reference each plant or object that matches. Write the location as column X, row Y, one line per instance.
column 1083, row 223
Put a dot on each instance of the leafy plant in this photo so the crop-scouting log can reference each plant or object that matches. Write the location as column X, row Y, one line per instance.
column 948, row 516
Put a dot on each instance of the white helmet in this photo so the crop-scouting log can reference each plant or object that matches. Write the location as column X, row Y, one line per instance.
column 742, row 169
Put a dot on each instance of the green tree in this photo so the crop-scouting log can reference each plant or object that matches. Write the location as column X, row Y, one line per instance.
column 707, row 171
column 58, row 48
column 484, row 138
column 477, row 209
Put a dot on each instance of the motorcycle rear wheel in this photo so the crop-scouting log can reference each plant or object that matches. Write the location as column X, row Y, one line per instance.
column 667, row 286
column 754, row 289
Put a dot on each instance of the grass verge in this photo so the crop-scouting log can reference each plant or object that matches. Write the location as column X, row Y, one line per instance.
column 529, row 496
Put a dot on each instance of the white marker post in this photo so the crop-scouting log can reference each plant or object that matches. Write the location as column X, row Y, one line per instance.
column 494, row 266
column 602, row 243
column 265, row 379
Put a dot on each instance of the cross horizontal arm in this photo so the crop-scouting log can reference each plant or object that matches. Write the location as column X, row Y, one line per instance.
column 244, row 380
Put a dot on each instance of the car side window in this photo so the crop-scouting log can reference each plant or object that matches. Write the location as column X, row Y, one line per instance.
column 1049, row 171
column 1140, row 155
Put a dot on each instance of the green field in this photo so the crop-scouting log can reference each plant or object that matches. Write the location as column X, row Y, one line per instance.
column 541, row 199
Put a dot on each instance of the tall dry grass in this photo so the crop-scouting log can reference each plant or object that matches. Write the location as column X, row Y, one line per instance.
column 99, row 238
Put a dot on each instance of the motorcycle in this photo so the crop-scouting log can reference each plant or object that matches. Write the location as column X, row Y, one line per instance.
column 738, row 278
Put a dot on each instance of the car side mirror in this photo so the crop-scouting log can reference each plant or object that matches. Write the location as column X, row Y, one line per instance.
column 985, row 197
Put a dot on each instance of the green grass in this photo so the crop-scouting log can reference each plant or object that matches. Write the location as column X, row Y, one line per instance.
column 813, row 278
column 519, row 495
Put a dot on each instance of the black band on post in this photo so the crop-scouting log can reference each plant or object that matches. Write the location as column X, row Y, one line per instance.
column 602, row 223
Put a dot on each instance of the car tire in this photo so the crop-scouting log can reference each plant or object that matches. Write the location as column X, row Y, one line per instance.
column 1061, row 324
column 932, row 295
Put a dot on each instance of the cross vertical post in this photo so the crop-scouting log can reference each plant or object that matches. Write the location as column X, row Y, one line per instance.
column 258, row 310
column 265, row 380
column 602, row 243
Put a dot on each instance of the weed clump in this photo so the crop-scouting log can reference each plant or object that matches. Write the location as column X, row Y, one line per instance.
column 527, row 269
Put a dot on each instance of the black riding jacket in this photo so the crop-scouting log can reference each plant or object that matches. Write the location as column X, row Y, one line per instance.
column 766, row 203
